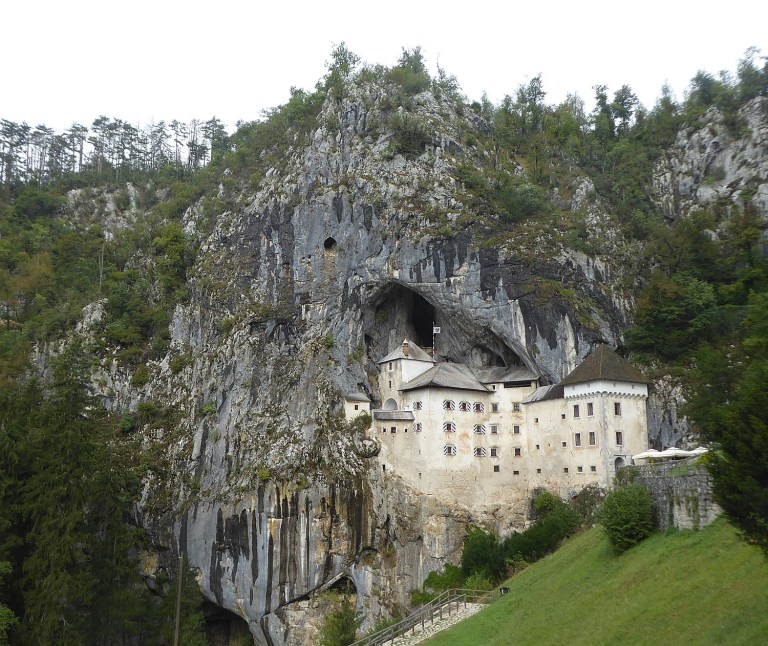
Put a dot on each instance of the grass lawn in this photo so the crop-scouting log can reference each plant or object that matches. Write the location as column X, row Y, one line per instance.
column 705, row 587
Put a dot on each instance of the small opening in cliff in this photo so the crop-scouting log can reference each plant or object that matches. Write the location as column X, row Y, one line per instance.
column 330, row 244
column 343, row 585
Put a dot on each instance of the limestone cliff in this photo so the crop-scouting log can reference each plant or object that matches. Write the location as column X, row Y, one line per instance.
column 310, row 274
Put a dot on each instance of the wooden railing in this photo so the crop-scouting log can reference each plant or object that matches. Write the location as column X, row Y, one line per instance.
column 444, row 604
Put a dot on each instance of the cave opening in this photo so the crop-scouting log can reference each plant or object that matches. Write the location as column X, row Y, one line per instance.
column 402, row 313
column 343, row 585
column 223, row 626
column 329, row 244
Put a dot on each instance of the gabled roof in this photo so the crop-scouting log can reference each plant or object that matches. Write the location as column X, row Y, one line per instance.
column 604, row 363
column 497, row 375
column 415, row 353
column 446, row 375
column 544, row 393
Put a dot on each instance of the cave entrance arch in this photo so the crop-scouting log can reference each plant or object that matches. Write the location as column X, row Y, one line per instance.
column 402, row 313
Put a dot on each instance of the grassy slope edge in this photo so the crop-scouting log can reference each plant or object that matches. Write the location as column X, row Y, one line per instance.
column 703, row 587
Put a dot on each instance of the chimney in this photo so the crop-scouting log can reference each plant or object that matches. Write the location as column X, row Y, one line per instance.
column 406, row 349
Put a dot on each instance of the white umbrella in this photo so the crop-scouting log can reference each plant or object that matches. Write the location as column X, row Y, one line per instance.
column 650, row 453
column 674, row 452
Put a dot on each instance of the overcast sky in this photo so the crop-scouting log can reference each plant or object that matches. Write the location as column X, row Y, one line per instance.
column 66, row 61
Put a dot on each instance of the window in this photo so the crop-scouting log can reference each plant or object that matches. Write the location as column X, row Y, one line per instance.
column 577, row 439
column 479, row 452
column 357, row 407
column 518, row 452
column 516, row 407
column 537, row 447
column 494, row 429
column 619, row 438
column 448, row 404
column 494, row 452
column 593, row 469
column 383, row 429
column 449, row 449
column 538, row 471
column 515, row 473
column 449, row 427
column 390, row 365
column 590, row 409
column 516, row 429
column 479, row 429
column 418, row 406
column 565, row 469
column 417, row 427
column 592, row 438
column 575, row 410
column 535, row 420
column 494, row 408
column 580, row 469
column 565, row 444
column 464, row 407
column 393, row 429
column 617, row 408
column 390, row 384
column 496, row 468
column 562, row 415
column 478, row 407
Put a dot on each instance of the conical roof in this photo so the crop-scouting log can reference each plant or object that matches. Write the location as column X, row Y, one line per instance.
column 604, row 363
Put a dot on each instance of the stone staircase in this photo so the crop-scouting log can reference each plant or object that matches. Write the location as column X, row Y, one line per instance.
column 448, row 608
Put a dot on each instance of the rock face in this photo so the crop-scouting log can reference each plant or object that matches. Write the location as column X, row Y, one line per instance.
column 340, row 251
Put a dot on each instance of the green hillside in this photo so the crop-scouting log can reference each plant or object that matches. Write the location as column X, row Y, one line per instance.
column 704, row 587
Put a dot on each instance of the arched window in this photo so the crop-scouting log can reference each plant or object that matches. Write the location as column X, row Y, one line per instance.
column 449, row 427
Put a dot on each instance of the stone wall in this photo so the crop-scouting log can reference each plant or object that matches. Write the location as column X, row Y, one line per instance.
column 681, row 492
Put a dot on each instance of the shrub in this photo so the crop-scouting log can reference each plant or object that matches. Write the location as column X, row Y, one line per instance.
column 208, row 409
column 340, row 626
column 626, row 516
column 478, row 581
column 140, row 376
column 450, row 577
column 482, row 554
column 180, row 362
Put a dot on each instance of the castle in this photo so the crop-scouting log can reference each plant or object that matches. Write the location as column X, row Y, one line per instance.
column 492, row 435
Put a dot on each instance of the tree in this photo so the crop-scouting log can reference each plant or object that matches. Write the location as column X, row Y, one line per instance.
column 7, row 619
column 728, row 402
column 340, row 626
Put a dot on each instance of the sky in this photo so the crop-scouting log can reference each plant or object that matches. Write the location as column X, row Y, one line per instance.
column 144, row 61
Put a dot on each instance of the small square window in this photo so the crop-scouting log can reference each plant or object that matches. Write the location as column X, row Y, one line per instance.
column 515, row 473
column 516, row 407
column 357, row 407
column 393, row 429
column 535, row 420
column 565, row 444
column 494, row 408
column 518, row 452
column 494, row 452
column 538, row 471
column 565, row 469
column 562, row 415
column 496, row 468
column 537, row 447
column 494, row 429
column 579, row 469
column 593, row 468
column 516, row 429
